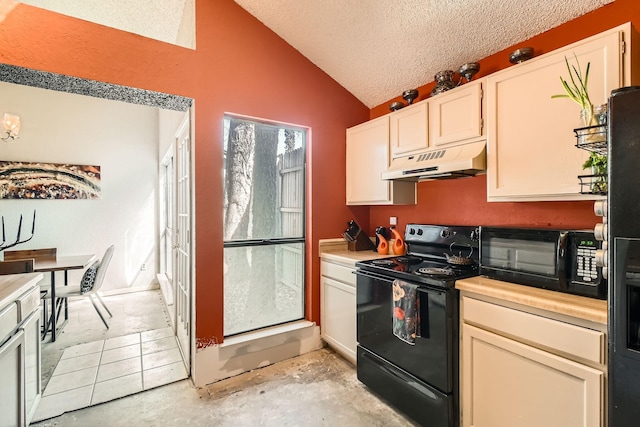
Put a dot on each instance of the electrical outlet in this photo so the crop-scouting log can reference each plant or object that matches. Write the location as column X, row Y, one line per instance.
column 393, row 220
column 143, row 267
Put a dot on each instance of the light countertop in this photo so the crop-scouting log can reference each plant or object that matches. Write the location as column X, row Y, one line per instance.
column 336, row 250
column 591, row 309
column 14, row 285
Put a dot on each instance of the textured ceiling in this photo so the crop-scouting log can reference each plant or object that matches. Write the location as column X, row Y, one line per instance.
column 377, row 49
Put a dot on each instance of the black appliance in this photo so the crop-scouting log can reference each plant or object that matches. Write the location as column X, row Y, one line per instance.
column 559, row 260
column 622, row 213
column 420, row 379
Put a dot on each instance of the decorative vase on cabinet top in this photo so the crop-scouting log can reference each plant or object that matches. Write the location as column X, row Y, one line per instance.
column 444, row 82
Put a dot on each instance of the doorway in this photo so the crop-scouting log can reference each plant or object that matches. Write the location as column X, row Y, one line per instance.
column 182, row 242
column 175, row 277
column 127, row 212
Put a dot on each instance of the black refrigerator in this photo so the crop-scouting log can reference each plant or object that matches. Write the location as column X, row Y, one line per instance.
column 623, row 258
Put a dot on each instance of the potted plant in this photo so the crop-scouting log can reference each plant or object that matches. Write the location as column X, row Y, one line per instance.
column 577, row 90
column 598, row 165
column 593, row 118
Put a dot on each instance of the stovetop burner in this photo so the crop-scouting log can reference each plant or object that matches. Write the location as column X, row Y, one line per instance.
column 436, row 271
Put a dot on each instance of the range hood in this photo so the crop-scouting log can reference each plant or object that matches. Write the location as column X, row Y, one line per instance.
column 440, row 163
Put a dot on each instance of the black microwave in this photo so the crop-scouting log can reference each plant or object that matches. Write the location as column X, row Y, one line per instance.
column 559, row 260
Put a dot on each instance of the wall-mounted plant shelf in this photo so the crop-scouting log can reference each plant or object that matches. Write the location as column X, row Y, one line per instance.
column 592, row 138
column 593, row 184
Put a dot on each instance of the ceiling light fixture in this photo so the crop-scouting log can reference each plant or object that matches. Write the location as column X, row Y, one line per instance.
column 11, row 124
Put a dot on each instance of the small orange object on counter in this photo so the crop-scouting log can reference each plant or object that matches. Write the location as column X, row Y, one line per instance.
column 383, row 245
column 399, row 247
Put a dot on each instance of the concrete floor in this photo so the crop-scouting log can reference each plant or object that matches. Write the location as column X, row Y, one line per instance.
column 316, row 389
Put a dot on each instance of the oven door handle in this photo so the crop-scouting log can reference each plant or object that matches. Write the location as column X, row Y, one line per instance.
column 373, row 275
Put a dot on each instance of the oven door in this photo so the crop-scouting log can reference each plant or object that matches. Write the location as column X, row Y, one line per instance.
column 533, row 257
column 435, row 354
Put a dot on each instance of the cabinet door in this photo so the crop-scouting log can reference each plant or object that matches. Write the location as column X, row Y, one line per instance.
column 531, row 153
column 367, row 157
column 507, row 383
column 456, row 115
column 338, row 323
column 12, row 409
column 32, row 362
column 409, row 129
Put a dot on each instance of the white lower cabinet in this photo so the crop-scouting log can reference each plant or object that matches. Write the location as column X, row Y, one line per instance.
column 12, row 367
column 20, row 351
column 338, row 308
column 527, row 370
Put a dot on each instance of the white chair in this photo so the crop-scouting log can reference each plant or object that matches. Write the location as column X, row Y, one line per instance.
column 89, row 285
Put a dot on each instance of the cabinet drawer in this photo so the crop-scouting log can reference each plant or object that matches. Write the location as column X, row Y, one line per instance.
column 28, row 302
column 339, row 272
column 8, row 321
column 565, row 338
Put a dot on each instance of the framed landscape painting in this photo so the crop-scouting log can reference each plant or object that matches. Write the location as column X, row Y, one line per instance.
column 30, row 180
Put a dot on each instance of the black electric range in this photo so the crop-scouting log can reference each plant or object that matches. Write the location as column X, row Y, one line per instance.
column 418, row 376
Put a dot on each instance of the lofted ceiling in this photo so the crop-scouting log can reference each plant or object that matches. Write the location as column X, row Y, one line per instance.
column 377, row 49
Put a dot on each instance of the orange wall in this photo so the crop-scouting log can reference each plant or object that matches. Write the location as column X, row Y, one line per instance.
column 239, row 66
column 463, row 201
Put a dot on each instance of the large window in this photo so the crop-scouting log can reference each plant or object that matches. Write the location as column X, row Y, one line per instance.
column 264, row 182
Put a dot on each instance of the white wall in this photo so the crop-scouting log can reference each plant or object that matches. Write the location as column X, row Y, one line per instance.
column 122, row 139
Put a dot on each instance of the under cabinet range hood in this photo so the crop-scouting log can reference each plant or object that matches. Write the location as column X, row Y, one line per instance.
column 440, row 163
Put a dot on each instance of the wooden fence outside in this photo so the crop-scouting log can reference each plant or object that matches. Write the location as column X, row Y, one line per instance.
column 291, row 218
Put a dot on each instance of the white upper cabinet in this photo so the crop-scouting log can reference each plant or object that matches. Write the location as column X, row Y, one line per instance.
column 531, row 152
column 456, row 115
column 367, row 157
column 409, row 129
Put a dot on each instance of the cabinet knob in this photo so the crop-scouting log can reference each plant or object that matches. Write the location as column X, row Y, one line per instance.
column 601, row 231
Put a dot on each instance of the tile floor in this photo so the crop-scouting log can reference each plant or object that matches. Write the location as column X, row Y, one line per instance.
column 103, row 370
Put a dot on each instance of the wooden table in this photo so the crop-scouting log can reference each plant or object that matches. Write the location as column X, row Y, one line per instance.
column 61, row 263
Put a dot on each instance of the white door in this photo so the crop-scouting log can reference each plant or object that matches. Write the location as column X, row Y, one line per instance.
column 182, row 241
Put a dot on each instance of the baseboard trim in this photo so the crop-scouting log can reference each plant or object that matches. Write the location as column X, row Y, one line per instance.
column 120, row 291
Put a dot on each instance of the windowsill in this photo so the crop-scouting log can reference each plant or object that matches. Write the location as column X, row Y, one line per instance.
column 267, row 332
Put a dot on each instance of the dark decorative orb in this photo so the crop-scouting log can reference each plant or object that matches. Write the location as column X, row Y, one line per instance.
column 410, row 95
